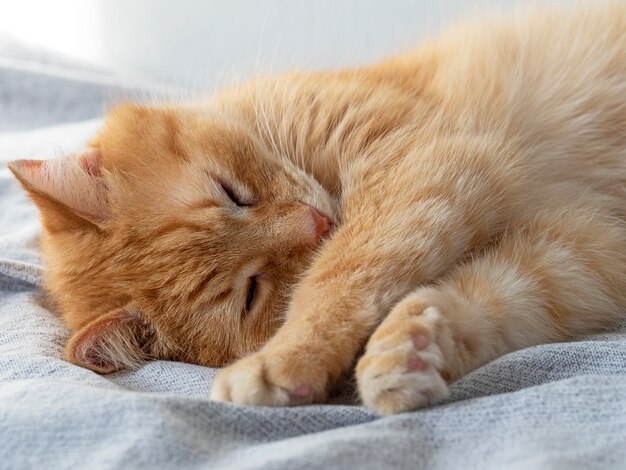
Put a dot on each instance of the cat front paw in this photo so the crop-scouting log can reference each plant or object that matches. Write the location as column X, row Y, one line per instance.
column 269, row 380
column 401, row 368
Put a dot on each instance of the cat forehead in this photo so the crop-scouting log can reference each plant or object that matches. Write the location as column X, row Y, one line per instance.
column 177, row 130
column 148, row 153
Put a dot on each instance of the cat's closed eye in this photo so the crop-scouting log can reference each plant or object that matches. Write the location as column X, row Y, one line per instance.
column 233, row 195
column 252, row 291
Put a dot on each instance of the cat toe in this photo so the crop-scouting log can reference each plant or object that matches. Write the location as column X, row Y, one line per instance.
column 401, row 380
column 402, row 371
column 248, row 382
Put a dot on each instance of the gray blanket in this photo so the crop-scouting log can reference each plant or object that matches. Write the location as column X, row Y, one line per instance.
column 554, row 406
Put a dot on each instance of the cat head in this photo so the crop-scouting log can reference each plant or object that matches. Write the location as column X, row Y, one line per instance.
column 177, row 234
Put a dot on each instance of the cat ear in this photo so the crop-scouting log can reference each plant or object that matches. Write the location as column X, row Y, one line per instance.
column 72, row 186
column 114, row 341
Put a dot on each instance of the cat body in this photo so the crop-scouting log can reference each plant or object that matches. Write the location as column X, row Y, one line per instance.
column 442, row 208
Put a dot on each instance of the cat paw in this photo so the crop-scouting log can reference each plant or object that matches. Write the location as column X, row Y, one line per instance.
column 401, row 368
column 268, row 380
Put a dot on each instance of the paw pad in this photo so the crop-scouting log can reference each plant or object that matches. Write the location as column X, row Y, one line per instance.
column 402, row 372
column 420, row 341
column 416, row 363
column 301, row 391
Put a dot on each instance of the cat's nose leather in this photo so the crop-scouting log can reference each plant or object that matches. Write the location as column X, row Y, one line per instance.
column 321, row 223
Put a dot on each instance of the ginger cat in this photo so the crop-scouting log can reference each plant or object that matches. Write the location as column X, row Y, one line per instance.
column 442, row 207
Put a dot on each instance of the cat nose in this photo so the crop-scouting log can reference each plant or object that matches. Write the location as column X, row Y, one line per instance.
column 321, row 224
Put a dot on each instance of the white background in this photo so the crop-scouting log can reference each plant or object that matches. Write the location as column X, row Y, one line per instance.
column 204, row 42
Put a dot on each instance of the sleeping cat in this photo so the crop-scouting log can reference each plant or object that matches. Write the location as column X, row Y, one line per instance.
column 441, row 208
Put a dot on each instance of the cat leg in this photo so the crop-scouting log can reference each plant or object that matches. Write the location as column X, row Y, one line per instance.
column 554, row 279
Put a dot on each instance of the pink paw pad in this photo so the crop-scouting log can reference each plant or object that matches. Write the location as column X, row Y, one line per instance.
column 416, row 363
column 302, row 391
column 420, row 341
